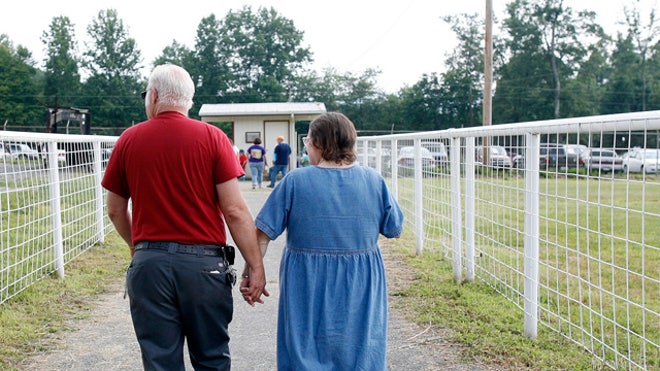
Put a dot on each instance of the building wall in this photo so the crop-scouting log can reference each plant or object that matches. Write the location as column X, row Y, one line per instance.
column 268, row 128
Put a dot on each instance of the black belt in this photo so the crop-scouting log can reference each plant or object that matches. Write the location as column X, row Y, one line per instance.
column 206, row 250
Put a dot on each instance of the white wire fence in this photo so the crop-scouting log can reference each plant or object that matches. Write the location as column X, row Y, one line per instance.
column 533, row 209
column 51, row 204
column 572, row 240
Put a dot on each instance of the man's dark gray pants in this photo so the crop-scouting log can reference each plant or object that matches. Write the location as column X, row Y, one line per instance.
column 176, row 296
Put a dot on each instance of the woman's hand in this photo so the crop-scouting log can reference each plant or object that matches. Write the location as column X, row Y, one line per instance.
column 252, row 287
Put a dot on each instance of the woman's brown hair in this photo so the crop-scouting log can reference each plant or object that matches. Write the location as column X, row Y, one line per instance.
column 335, row 135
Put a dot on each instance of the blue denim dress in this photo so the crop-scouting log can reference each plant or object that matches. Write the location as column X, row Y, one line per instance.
column 333, row 293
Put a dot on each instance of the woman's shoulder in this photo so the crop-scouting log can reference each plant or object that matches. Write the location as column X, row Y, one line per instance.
column 367, row 171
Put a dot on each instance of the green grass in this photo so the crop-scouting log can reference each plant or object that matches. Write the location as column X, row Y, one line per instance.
column 45, row 306
column 490, row 327
column 26, row 220
column 598, row 257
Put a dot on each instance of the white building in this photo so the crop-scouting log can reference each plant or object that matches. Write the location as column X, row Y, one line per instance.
column 264, row 120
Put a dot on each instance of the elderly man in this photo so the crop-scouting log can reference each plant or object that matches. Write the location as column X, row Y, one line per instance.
column 281, row 155
column 181, row 176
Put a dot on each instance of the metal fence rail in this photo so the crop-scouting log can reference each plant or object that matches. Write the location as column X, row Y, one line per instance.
column 51, row 204
column 573, row 242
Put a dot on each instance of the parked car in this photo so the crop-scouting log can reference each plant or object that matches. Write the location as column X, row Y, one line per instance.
column 517, row 155
column 438, row 151
column 642, row 160
column 579, row 150
column 20, row 151
column 61, row 157
column 3, row 153
column 406, row 158
column 497, row 157
column 605, row 160
column 555, row 156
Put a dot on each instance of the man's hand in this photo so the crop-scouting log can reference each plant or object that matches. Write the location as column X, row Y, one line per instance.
column 253, row 285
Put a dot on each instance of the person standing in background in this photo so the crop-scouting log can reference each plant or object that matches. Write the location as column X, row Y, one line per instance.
column 257, row 160
column 242, row 160
column 180, row 278
column 281, row 155
column 235, row 147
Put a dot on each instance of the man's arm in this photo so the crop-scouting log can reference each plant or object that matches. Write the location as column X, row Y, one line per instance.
column 242, row 229
column 121, row 218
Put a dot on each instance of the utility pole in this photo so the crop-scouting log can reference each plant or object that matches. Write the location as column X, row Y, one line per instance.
column 488, row 79
column 488, row 65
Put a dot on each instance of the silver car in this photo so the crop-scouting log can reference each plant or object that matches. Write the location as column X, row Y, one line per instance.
column 406, row 158
column 639, row 160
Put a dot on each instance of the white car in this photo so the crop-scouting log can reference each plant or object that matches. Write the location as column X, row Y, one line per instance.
column 497, row 158
column 642, row 160
column 21, row 151
column 406, row 158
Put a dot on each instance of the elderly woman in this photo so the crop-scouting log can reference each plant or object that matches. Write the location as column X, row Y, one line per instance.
column 333, row 295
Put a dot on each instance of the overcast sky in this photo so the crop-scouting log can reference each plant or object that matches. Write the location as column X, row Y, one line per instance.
column 404, row 39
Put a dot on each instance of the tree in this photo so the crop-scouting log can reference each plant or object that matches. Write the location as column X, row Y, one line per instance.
column 175, row 53
column 422, row 104
column 522, row 92
column 644, row 37
column 210, row 68
column 462, row 84
column 20, row 86
column 62, row 78
column 583, row 95
column 264, row 51
column 553, row 31
column 112, row 61
column 623, row 91
column 654, row 73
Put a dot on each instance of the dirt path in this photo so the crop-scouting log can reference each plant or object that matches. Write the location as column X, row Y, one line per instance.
column 106, row 341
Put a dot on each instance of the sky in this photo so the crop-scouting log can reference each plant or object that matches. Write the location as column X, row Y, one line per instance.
column 403, row 39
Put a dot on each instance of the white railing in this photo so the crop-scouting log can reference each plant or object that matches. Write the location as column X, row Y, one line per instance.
column 51, row 204
column 576, row 249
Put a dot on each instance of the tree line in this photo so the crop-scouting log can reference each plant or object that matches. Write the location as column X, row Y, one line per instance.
column 550, row 61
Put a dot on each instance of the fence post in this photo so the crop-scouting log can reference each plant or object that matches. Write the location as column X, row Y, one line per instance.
column 394, row 164
column 363, row 157
column 531, row 259
column 56, row 209
column 100, row 235
column 378, row 160
column 469, row 209
column 456, row 210
column 419, row 206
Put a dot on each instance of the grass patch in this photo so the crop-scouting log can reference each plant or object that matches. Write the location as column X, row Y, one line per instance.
column 46, row 306
column 480, row 318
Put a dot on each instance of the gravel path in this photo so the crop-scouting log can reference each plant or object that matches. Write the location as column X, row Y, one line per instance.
column 106, row 341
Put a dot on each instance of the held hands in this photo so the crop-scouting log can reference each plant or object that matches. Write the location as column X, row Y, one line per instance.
column 253, row 285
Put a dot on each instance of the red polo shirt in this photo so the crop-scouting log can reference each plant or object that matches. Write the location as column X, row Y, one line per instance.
column 168, row 166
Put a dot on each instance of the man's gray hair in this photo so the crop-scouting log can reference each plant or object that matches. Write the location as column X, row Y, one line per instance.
column 174, row 85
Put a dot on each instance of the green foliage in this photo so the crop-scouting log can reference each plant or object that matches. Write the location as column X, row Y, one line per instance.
column 266, row 52
column 112, row 90
column 62, row 66
column 551, row 61
column 20, row 84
